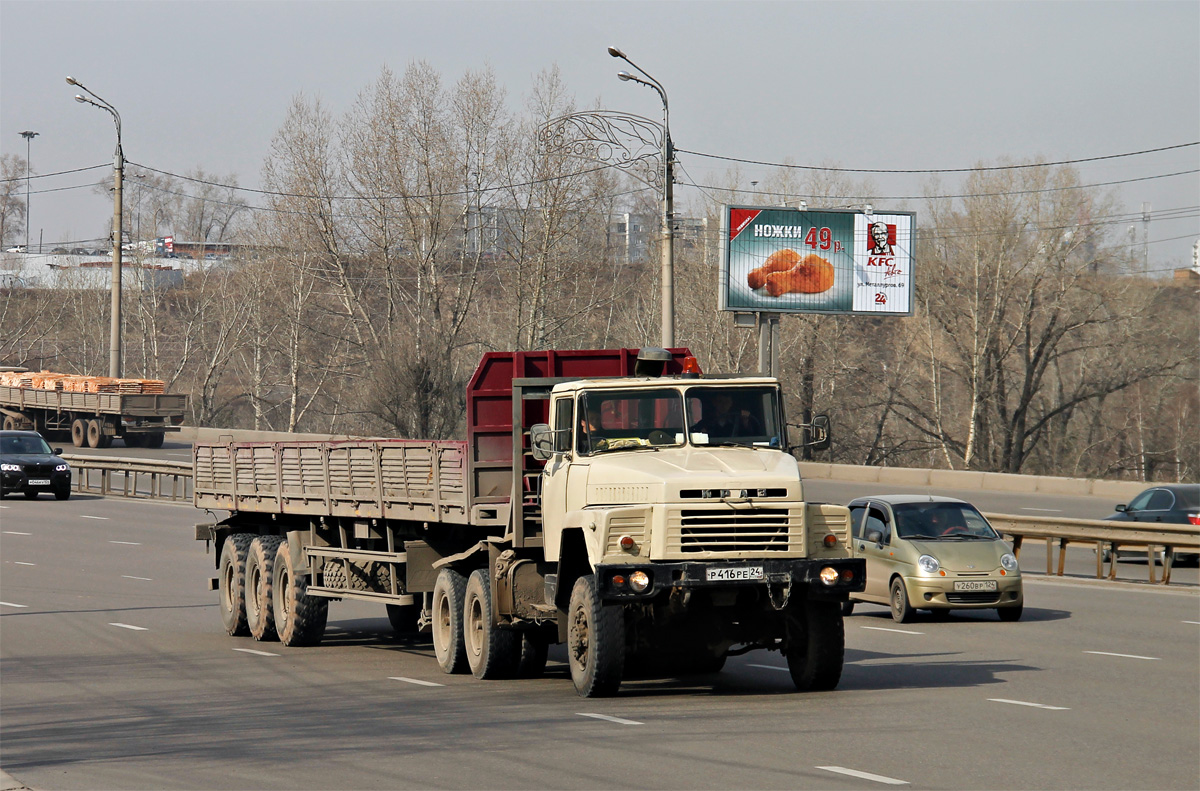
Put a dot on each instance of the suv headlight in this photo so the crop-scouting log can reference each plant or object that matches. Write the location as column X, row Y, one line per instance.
column 1008, row 561
column 928, row 564
column 62, row 468
column 10, row 467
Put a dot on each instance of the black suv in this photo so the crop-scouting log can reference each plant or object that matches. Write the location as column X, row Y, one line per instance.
column 27, row 465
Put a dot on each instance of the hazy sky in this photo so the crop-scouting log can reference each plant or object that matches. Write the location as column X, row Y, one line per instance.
column 895, row 85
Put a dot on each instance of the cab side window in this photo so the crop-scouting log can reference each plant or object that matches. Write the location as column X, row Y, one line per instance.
column 877, row 520
column 856, row 520
column 564, row 419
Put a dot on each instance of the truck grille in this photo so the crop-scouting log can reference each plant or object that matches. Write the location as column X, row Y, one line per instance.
column 757, row 529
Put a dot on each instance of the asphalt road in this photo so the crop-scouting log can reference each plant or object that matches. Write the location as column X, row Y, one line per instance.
column 115, row 673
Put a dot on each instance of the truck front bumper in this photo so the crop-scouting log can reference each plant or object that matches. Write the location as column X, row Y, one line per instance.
column 821, row 578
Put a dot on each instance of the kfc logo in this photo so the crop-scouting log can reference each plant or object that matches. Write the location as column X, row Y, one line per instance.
column 883, row 239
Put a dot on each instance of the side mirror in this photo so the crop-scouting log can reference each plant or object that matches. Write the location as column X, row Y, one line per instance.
column 541, row 441
column 58, row 451
column 875, row 537
column 819, row 433
column 1122, row 507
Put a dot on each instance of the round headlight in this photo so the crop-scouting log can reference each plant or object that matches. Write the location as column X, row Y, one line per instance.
column 10, row 467
column 829, row 575
column 1008, row 561
column 928, row 564
column 62, row 468
column 639, row 581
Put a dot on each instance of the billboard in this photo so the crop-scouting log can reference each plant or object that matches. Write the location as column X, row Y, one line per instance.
column 781, row 260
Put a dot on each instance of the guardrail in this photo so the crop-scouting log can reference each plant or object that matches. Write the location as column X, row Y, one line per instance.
column 1102, row 534
column 139, row 478
column 113, row 476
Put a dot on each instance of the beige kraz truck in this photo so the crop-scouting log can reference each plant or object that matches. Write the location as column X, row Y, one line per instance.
column 646, row 515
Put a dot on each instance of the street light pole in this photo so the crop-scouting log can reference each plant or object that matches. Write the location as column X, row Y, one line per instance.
column 668, row 212
column 114, row 337
column 28, row 137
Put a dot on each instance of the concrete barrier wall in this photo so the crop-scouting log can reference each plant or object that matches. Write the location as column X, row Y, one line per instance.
column 892, row 476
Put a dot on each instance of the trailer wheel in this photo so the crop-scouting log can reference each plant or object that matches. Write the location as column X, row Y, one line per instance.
column 132, row 440
column 231, row 583
column 403, row 618
column 95, row 438
column 816, row 645
column 595, row 641
column 535, row 648
column 299, row 618
column 9, row 423
column 260, row 583
column 78, row 432
column 153, row 439
column 492, row 652
column 449, row 591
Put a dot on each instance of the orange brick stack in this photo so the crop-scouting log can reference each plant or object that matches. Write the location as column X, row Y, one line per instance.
column 49, row 380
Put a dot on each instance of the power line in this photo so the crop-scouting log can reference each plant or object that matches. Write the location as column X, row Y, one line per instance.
column 936, row 170
column 59, row 173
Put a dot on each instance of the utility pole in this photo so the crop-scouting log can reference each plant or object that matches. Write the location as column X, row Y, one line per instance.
column 28, row 137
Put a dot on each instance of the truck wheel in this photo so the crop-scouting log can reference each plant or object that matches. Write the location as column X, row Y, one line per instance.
column 132, row 440
column 153, row 440
column 492, row 652
column 534, row 650
column 403, row 618
column 448, row 645
column 9, row 423
column 299, row 618
column 260, row 584
column 902, row 611
column 231, row 583
column 847, row 607
column 78, row 432
column 816, row 646
column 595, row 641
column 95, row 439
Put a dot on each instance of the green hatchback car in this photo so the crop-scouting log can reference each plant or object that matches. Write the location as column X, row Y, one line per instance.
column 932, row 553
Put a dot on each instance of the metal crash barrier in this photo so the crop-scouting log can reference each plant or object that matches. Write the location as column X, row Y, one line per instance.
column 139, row 478
column 1102, row 535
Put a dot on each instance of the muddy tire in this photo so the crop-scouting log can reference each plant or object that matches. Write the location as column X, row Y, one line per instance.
column 299, row 618
column 492, row 652
column 78, row 432
column 847, row 608
column 231, row 583
column 816, row 645
column 95, row 436
column 595, row 641
column 153, row 439
column 260, row 585
column 449, row 593
column 535, row 648
column 132, row 440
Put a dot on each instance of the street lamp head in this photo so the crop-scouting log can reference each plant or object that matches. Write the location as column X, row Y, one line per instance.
column 71, row 81
column 614, row 51
column 624, row 76
column 79, row 98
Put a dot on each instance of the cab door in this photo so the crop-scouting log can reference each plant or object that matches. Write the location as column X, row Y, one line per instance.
column 557, row 470
column 873, row 543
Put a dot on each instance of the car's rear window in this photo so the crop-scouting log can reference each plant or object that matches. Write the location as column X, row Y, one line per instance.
column 1188, row 497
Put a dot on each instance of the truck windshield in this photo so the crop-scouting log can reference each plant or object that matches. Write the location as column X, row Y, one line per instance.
column 734, row 416
column 617, row 419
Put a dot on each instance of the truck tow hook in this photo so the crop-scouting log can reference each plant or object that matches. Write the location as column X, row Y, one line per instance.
column 779, row 589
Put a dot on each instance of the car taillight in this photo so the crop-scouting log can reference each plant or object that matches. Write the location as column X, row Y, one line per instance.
column 1194, row 519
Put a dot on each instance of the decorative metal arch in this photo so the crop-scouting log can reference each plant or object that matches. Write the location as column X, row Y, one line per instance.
column 630, row 142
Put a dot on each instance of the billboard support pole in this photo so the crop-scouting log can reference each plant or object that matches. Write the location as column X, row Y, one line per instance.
column 768, row 344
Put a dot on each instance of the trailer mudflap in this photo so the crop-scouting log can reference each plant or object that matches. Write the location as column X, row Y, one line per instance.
column 848, row 576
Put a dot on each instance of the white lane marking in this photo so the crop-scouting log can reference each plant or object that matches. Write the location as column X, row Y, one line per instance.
column 10, row 604
column 14, row 532
column 144, row 579
column 617, row 720
column 897, row 631
column 416, row 681
column 1047, row 510
column 127, row 543
column 128, row 626
column 769, row 667
column 256, row 653
column 1195, row 622
column 1026, row 703
column 22, row 563
column 864, row 775
column 85, row 516
column 1126, row 656
column 188, row 455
